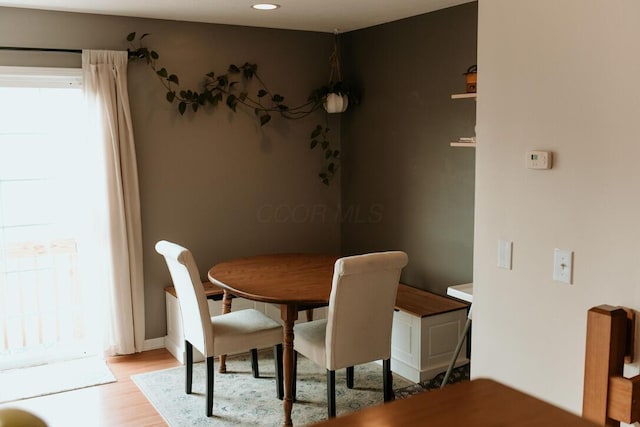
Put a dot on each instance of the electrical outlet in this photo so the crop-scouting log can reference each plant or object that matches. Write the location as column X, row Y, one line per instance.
column 563, row 266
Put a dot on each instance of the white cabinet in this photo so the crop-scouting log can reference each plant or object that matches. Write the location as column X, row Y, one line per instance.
column 425, row 333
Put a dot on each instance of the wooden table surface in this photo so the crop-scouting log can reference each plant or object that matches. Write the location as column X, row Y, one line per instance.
column 477, row 403
column 278, row 278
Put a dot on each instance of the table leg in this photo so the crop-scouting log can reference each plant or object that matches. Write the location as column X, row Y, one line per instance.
column 226, row 308
column 289, row 313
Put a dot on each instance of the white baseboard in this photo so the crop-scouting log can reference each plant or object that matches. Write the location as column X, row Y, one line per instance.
column 153, row 344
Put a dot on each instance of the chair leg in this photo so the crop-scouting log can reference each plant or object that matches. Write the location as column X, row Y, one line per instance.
column 331, row 393
column 209, row 386
column 294, row 375
column 254, row 363
column 350, row 377
column 387, row 380
column 188, row 364
column 277, row 355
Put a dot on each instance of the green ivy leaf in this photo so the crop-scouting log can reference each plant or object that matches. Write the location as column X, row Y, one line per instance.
column 183, row 94
column 325, row 144
column 173, row 78
column 131, row 36
column 336, row 154
column 210, row 74
column 264, row 119
column 162, row 72
column 249, row 70
column 154, row 54
column 171, row 96
column 232, row 101
column 233, row 69
column 144, row 35
column 242, row 96
column 277, row 98
column 262, row 93
column 328, row 154
column 331, row 167
column 316, row 131
column 182, row 107
column 314, row 142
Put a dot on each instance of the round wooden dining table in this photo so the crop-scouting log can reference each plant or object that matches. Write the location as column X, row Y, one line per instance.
column 294, row 281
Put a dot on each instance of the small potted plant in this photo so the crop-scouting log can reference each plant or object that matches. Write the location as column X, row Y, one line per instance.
column 472, row 79
column 335, row 96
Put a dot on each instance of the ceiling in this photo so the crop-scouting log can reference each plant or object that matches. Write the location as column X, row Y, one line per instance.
column 308, row 15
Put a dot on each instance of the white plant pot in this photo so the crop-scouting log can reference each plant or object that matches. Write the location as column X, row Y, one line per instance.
column 336, row 103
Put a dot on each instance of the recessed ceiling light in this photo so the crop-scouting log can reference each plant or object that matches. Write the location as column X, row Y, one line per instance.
column 265, row 6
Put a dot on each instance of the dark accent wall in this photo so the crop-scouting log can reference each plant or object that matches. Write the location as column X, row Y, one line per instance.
column 403, row 186
column 224, row 187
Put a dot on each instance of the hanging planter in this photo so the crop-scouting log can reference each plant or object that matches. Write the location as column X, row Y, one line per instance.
column 336, row 103
column 336, row 96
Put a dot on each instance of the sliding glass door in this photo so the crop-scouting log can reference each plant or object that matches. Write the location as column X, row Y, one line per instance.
column 47, row 306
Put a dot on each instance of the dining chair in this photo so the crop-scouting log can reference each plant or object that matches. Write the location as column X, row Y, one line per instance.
column 358, row 326
column 234, row 332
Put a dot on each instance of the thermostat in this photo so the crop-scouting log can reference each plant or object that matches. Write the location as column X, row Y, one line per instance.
column 539, row 159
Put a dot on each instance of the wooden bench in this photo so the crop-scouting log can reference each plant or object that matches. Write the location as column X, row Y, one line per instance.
column 210, row 290
column 426, row 327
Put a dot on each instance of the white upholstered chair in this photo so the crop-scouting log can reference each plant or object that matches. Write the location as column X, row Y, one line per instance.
column 230, row 333
column 358, row 325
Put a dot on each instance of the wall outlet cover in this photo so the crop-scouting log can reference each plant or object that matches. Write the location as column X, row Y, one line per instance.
column 505, row 247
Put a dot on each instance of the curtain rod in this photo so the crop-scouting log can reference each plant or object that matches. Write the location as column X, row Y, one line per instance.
column 47, row 49
column 41, row 49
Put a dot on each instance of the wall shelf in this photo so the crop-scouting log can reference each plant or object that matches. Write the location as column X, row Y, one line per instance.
column 464, row 95
column 464, row 144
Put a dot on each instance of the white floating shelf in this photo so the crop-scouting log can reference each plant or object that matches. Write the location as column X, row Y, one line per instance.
column 464, row 95
column 463, row 144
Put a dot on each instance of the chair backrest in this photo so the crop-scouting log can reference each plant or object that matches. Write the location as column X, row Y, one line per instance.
column 360, row 318
column 196, row 320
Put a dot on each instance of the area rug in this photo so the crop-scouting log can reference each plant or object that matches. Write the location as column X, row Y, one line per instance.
column 17, row 384
column 241, row 400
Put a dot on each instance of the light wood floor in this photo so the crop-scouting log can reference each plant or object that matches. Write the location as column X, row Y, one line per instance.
column 115, row 404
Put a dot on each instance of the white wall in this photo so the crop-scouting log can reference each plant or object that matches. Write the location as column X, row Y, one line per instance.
column 560, row 76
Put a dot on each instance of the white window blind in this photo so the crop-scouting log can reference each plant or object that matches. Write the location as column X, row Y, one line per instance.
column 38, row 77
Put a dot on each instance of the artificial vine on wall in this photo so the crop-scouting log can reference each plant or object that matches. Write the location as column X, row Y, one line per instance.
column 230, row 89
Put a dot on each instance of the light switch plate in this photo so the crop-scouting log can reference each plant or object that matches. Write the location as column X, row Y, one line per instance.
column 563, row 266
column 505, row 248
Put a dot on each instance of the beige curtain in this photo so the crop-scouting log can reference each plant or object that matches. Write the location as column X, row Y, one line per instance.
column 105, row 87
